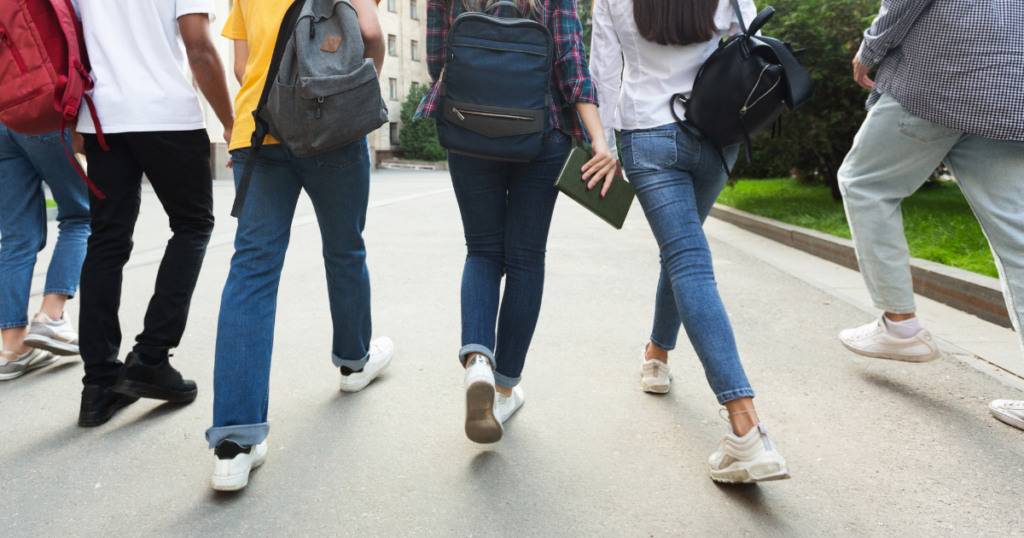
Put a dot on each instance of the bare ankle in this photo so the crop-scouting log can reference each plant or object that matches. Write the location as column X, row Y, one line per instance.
column 899, row 317
column 504, row 391
column 655, row 353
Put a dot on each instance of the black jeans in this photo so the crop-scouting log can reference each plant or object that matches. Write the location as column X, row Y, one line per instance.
column 177, row 164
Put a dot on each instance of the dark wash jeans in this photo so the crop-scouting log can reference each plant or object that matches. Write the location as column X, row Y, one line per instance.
column 177, row 164
column 677, row 177
column 506, row 213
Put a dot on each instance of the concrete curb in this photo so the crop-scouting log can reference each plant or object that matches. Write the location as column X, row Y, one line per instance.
column 975, row 294
column 51, row 214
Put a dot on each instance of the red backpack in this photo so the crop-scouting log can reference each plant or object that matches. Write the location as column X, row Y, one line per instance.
column 44, row 70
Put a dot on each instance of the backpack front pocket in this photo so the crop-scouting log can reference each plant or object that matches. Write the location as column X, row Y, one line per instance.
column 494, row 121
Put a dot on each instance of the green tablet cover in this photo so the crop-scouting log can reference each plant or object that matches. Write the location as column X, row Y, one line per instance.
column 613, row 207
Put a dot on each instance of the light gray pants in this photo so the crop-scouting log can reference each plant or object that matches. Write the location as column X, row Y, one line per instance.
column 893, row 154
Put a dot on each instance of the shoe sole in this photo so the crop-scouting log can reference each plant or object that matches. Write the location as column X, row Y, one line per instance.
column 239, row 481
column 1006, row 418
column 655, row 389
column 143, row 390
column 36, row 366
column 892, row 356
column 93, row 422
column 481, row 424
column 366, row 382
column 46, row 343
column 738, row 473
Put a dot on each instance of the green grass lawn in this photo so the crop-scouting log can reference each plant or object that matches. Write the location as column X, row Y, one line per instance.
column 940, row 226
column 50, row 203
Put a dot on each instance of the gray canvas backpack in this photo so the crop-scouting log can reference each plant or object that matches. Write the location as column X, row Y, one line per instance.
column 321, row 93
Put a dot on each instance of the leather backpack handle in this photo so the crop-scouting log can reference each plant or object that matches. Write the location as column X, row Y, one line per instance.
column 512, row 5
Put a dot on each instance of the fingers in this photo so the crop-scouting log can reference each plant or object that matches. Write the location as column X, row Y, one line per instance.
column 608, row 182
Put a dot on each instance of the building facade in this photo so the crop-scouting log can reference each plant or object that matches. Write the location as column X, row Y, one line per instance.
column 404, row 24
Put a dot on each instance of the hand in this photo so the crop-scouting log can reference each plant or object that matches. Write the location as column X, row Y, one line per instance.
column 860, row 73
column 602, row 166
column 231, row 163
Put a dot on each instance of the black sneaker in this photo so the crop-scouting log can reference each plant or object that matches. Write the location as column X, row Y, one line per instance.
column 159, row 382
column 99, row 404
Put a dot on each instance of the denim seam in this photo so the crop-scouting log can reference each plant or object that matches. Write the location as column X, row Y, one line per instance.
column 60, row 291
column 354, row 364
column 659, row 345
column 730, row 395
column 505, row 381
column 895, row 309
column 14, row 324
column 223, row 433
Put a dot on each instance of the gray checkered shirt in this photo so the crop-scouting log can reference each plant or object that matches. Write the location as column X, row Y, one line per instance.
column 957, row 63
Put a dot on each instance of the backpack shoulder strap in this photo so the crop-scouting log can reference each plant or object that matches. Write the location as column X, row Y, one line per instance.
column 799, row 86
column 262, row 128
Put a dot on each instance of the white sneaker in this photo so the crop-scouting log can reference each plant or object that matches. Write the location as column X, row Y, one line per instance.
column 1008, row 411
column 482, row 422
column 232, row 465
column 381, row 351
column 54, row 335
column 744, row 460
column 655, row 376
column 873, row 340
column 508, row 405
column 12, row 365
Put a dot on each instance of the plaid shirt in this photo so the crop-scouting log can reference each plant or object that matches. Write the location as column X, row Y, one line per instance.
column 955, row 63
column 571, row 81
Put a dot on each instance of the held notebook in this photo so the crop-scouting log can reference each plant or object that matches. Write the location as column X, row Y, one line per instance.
column 613, row 207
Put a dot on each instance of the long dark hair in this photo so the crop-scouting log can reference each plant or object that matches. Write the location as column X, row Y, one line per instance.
column 675, row 22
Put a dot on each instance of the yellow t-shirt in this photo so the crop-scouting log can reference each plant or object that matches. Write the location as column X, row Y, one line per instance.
column 257, row 22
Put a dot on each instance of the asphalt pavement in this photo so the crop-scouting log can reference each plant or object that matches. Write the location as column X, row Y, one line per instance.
column 876, row 448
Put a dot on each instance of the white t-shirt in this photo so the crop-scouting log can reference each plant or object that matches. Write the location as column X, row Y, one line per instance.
column 636, row 78
column 138, row 63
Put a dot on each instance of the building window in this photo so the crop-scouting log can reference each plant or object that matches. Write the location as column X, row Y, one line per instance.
column 394, row 133
column 416, row 50
column 393, row 89
column 391, row 5
column 392, row 45
column 413, row 14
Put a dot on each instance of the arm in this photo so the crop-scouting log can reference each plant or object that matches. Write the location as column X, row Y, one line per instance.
column 241, row 58
column 206, row 67
column 606, row 67
column 894, row 21
column 369, row 27
column 437, row 32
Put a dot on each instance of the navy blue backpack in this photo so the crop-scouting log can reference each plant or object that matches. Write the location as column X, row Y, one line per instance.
column 495, row 86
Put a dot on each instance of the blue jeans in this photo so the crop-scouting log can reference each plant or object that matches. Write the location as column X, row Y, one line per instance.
column 677, row 177
column 26, row 162
column 338, row 183
column 506, row 213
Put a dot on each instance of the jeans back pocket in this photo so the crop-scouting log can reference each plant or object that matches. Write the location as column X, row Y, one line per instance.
column 653, row 150
column 921, row 129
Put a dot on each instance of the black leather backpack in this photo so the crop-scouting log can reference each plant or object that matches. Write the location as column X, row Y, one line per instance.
column 743, row 87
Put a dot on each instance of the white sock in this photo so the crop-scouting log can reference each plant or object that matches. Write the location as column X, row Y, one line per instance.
column 902, row 329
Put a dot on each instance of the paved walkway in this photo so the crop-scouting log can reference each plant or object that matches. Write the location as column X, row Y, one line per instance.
column 875, row 447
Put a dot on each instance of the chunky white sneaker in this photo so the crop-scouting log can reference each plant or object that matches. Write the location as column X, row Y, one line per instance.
column 232, row 464
column 873, row 340
column 752, row 458
column 54, row 335
column 655, row 376
column 381, row 351
column 508, row 405
column 1008, row 411
column 482, row 422
column 12, row 365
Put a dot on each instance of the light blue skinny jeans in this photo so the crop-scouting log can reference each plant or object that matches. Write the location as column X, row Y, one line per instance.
column 338, row 184
column 26, row 162
column 893, row 154
column 677, row 177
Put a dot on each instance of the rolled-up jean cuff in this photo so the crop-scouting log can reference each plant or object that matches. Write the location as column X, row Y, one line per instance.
column 896, row 310
column 470, row 349
column 69, row 293
column 14, row 324
column 506, row 382
column 356, row 364
column 731, row 395
column 664, row 347
column 243, row 434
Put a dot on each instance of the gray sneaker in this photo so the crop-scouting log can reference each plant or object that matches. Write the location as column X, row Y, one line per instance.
column 12, row 366
column 56, row 336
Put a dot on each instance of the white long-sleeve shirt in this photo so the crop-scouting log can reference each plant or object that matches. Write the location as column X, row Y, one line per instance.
column 638, row 97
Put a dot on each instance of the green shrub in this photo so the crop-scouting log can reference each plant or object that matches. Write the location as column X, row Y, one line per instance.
column 816, row 136
column 418, row 137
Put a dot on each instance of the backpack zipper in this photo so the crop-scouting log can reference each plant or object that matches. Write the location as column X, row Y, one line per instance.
column 6, row 39
column 20, row 100
column 501, row 50
column 460, row 113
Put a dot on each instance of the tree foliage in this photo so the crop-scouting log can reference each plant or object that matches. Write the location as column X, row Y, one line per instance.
column 818, row 135
column 418, row 137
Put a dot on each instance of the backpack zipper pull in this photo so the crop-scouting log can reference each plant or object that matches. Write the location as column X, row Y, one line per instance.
column 319, row 100
column 312, row 30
